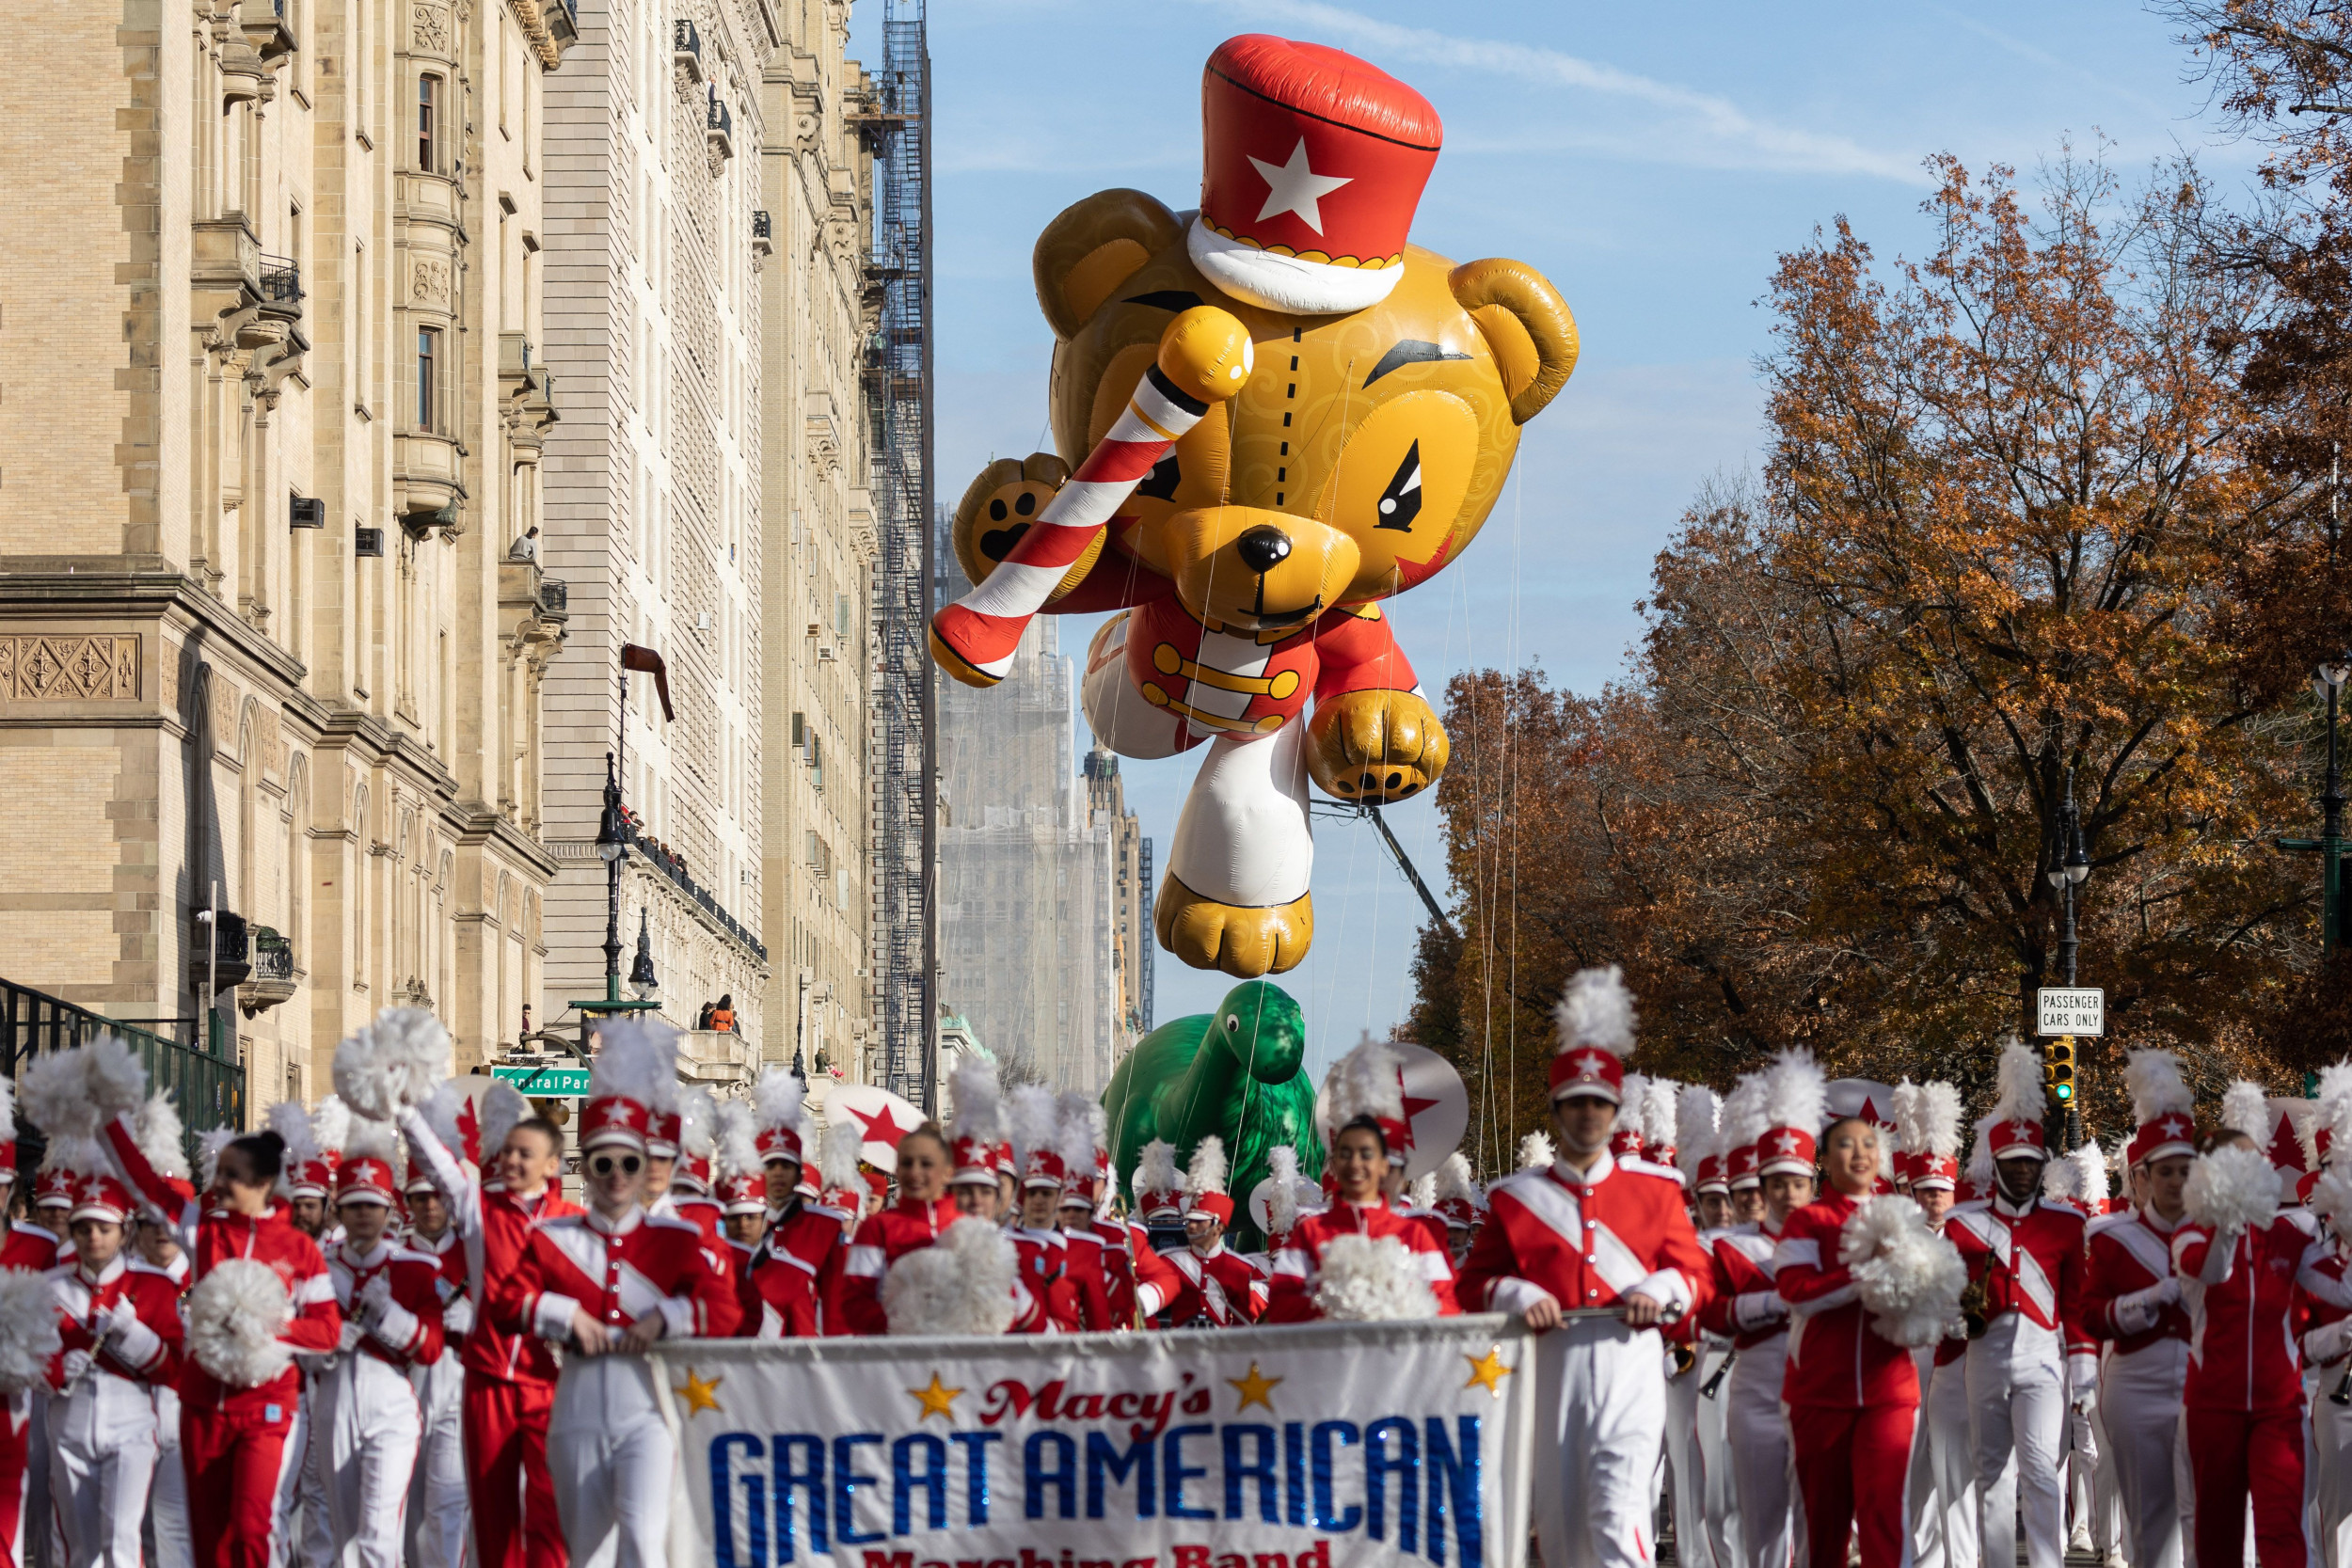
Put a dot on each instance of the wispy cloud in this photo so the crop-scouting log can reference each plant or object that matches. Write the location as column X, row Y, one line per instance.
column 1688, row 127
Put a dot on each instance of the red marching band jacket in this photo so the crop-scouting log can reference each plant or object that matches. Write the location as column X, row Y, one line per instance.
column 2031, row 1264
column 2130, row 1297
column 1083, row 1305
column 220, row 1236
column 407, row 1331
column 457, row 1314
column 494, row 1229
column 791, row 1284
column 29, row 1247
column 908, row 1226
column 1155, row 1280
column 2240, row 1291
column 2327, row 1328
column 1119, row 1271
column 1743, row 1304
column 1224, row 1288
column 618, row 1273
column 1585, row 1240
column 149, row 1354
column 1836, row 1360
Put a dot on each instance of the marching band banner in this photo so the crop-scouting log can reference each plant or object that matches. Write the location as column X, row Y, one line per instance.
column 1314, row 1446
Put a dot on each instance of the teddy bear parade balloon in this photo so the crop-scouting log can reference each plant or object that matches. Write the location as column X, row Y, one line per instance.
column 1284, row 414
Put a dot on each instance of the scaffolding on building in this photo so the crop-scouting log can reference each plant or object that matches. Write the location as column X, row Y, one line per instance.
column 1150, row 946
column 903, row 743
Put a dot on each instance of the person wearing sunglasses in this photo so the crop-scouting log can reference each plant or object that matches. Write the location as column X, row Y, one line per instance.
column 608, row 1286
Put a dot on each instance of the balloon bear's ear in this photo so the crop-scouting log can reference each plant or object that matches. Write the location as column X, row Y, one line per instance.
column 1525, row 323
column 1094, row 247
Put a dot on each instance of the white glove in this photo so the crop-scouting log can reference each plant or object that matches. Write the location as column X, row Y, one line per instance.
column 1752, row 1309
column 124, row 1317
column 395, row 1326
column 76, row 1363
column 2082, row 1374
column 351, row 1335
column 133, row 1343
column 374, row 1297
column 458, row 1317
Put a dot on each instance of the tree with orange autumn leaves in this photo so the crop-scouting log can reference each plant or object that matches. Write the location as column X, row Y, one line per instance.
column 2010, row 531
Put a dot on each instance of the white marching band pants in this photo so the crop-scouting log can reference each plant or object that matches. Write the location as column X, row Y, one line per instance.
column 168, row 1499
column 610, row 1455
column 2090, row 1499
column 438, row 1517
column 1763, row 1458
column 2332, row 1465
column 101, row 1456
column 1944, row 1468
column 2018, row 1419
column 1720, row 1496
column 364, row 1428
column 1601, row 1415
column 2139, row 1405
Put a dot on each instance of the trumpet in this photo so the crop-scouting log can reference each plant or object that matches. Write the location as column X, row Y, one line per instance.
column 1973, row 1301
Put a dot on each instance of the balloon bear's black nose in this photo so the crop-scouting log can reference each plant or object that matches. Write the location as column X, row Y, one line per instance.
column 1262, row 549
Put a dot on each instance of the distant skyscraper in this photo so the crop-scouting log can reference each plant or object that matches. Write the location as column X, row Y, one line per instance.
column 1039, row 871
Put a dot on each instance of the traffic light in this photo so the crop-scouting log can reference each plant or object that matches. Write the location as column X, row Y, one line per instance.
column 2057, row 1069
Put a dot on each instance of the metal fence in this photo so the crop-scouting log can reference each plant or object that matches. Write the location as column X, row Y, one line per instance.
column 199, row 1069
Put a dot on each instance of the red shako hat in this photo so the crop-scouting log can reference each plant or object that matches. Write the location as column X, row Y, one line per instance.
column 2014, row 1131
column 1158, row 1191
column 365, row 1173
column 1312, row 163
column 1927, row 1123
column 977, row 1145
column 2162, row 1107
column 1796, row 1104
column 1596, row 1021
column 99, row 1196
column 781, row 1112
column 1205, row 1196
column 631, row 1081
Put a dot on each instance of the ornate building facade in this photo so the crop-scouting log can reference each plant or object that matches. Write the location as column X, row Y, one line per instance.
column 272, row 423
column 658, row 254
column 817, row 177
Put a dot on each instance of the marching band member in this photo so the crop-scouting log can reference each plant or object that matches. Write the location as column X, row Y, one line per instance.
column 848, row 1188
column 315, row 1141
column 1745, row 1187
column 154, row 1252
column 678, row 1181
column 437, row 1524
column 1087, row 1258
column 2328, row 1337
column 1944, row 1469
column 1460, row 1204
column 609, row 1285
column 1707, row 1508
column 2093, row 1505
column 739, row 1183
column 31, row 1250
column 1852, row 1393
column 121, row 1337
column 239, row 1384
column 1219, row 1288
column 913, row 1222
column 510, row 1377
column 1043, row 1251
column 2131, row 1303
column 2033, row 1359
column 2239, row 1259
column 1745, row 1306
column 365, row 1421
column 791, row 1285
column 1159, row 1196
column 1584, row 1235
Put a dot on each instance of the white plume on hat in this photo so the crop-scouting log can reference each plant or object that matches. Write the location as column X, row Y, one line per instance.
column 1452, row 1180
column 781, row 1101
column 2152, row 1080
column 2246, row 1108
column 1281, row 1202
column 330, row 1123
column 2303, row 1118
column 208, row 1150
column 2017, row 1085
column 1939, row 1118
column 845, row 1140
column 1698, row 1118
column 1633, row 1121
column 961, row 1284
column 1910, row 1123
column 502, row 1107
column 393, row 1064
column 1422, row 1193
column 1206, row 1171
column 2091, row 1181
column 2232, row 1188
column 2335, row 1108
column 291, row 1120
column 29, row 1330
column 234, row 1317
column 697, row 1125
column 1536, row 1152
column 1372, row 1279
column 1036, row 1122
column 734, row 1141
column 1596, row 1011
column 1155, row 1168
column 1080, row 1124
column 366, row 1138
column 980, row 1103
column 1743, row 1118
column 1660, row 1101
column 2062, row 1180
column 1796, row 1092
column 2331, row 1199
column 161, row 1135
column 1366, row 1082
column 636, row 1061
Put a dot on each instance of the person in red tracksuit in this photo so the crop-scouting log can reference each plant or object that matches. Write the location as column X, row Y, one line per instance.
column 510, row 1378
column 1852, row 1395
column 234, row 1441
column 916, row 1221
column 2244, row 1398
column 1359, row 1159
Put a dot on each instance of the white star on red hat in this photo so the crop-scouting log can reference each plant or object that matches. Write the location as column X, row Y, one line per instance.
column 2172, row 1127
column 1295, row 187
column 1786, row 1143
column 1587, row 1064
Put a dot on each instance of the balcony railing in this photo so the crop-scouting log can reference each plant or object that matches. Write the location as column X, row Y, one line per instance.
column 197, row 1068
column 721, row 121
column 555, row 599
column 759, row 225
column 673, row 867
column 272, row 955
column 280, row 286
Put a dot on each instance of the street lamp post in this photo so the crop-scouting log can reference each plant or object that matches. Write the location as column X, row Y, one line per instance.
column 2327, row 683
column 612, row 837
column 2072, row 867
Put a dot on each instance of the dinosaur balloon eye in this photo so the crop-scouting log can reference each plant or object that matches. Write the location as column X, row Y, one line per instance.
column 1232, row 1024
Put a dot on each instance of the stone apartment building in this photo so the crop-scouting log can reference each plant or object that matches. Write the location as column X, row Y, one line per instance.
column 657, row 252
column 270, row 421
column 817, row 179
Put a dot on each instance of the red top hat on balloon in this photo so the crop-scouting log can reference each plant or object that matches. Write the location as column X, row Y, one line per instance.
column 1312, row 163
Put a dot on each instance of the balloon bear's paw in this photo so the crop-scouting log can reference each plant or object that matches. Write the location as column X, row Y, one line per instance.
column 1244, row 941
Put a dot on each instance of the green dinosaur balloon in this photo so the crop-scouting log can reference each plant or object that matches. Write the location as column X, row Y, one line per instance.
column 1238, row 1072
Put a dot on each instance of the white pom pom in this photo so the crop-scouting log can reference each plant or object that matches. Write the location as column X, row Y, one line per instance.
column 393, row 1064
column 162, row 1137
column 1536, row 1152
column 29, row 1330
column 1598, row 1011
column 56, row 1095
column 1372, row 1279
column 2331, row 1199
column 1908, row 1277
column 330, row 1123
column 2233, row 1188
column 118, row 1079
column 961, row 1284
column 235, row 1315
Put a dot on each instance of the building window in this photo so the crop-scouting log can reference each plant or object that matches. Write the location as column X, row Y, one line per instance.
column 428, row 383
column 429, row 124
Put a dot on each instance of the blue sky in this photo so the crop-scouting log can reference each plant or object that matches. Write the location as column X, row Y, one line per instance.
column 1652, row 160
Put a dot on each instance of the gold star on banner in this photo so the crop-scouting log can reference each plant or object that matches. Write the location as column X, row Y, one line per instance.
column 1253, row 1389
column 938, row 1400
column 700, row 1394
column 1487, row 1371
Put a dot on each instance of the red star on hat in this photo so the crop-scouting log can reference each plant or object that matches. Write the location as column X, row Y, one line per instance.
column 881, row 1128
